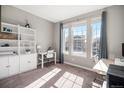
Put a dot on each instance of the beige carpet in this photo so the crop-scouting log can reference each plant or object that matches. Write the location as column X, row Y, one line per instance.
column 53, row 76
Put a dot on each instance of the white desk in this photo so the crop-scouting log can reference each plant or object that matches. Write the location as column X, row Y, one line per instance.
column 42, row 58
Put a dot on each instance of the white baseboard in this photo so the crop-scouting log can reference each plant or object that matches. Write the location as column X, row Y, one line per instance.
column 90, row 69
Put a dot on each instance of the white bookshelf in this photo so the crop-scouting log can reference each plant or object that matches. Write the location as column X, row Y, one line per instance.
column 13, row 56
column 25, row 41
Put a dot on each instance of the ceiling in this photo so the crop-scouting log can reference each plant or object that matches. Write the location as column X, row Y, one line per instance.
column 56, row 13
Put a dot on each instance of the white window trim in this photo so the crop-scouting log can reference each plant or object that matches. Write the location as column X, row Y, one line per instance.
column 96, row 20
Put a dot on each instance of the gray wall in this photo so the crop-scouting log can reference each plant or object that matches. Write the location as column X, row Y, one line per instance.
column 115, row 36
column 115, row 30
column 44, row 28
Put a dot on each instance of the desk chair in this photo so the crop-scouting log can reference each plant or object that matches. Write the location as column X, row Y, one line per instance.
column 47, row 57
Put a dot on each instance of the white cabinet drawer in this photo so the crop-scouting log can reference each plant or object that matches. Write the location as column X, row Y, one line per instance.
column 23, row 63
column 13, row 65
column 33, row 60
column 4, row 67
column 28, row 62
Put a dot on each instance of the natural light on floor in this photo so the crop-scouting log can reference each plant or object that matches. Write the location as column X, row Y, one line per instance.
column 69, row 80
column 41, row 81
column 96, row 85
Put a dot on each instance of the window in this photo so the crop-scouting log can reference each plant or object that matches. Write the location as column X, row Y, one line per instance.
column 96, row 28
column 79, row 40
column 82, row 38
column 66, row 40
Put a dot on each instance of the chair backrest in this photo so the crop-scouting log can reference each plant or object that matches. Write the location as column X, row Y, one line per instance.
column 50, row 54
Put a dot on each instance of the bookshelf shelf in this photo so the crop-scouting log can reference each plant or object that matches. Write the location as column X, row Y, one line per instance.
column 23, row 41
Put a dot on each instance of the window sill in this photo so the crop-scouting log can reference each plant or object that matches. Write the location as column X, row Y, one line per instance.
column 79, row 56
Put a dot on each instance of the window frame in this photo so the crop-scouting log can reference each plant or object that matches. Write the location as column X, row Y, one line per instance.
column 87, row 21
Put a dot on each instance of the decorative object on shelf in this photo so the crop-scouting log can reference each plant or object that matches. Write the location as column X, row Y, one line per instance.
column 28, row 51
column 27, row 24
column 5, row 29
column 14, row 52
column 5, row 45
